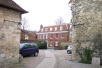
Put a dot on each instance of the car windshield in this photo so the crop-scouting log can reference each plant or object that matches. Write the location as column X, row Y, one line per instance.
column 21, row 45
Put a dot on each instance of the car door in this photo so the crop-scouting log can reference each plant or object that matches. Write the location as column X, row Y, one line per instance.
column 31, row 49
column 26, row 49
column 36, row 49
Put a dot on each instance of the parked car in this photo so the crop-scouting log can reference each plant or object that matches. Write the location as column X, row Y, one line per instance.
column 69, row 49
column 29, row 49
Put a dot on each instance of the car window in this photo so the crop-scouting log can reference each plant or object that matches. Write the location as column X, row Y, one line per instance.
column 21, row 45
column 35, row 45
column 27, row 46
column 32, row 45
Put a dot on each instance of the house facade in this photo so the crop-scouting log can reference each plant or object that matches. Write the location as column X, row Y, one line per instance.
column 53, row 35
column 10, row 17
column 28, row 35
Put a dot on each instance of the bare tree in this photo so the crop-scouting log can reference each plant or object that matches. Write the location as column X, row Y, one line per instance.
column 24, row 22
column 59, row 21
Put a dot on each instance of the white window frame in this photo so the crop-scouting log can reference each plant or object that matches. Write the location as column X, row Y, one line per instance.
column 56, row 28
column 62, row 36
column 38, row 36
column 56, row 44
column 46, row 29
column 61, row 27
column 56, row 36
column 46, row 36
column 51, row 29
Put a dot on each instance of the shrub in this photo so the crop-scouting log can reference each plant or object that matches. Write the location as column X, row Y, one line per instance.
column 42, row 45
column 85, row 55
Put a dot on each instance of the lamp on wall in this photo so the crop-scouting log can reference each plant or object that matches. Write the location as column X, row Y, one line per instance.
column 19, row 23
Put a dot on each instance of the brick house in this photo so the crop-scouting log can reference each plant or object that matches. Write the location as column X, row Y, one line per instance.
column 53, row 35
column 10, row 17
column 28, row 35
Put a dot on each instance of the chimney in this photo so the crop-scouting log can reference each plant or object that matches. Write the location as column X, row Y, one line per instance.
column 41, row 26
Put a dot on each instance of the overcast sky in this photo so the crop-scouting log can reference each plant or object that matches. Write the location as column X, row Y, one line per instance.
column 45, row 12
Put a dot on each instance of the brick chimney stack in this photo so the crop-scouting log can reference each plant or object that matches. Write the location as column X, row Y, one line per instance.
column 41, row 26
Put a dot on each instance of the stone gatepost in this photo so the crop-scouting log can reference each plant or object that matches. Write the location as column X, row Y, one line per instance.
column 87, row 27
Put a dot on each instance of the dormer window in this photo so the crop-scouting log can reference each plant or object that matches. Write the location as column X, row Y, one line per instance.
column 56, row 28
column 46, row 29
column 61, row 27
column 50, row 29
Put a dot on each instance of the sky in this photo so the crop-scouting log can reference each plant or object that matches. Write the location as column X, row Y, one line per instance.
column 45, row 12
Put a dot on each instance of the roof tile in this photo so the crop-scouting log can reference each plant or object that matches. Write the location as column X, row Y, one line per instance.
column 11, row 4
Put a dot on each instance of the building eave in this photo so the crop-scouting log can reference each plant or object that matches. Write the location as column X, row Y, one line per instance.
column 52, row 32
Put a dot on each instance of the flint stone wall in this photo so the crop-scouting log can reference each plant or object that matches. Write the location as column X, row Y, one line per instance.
column 9, row 36
column 87, row 26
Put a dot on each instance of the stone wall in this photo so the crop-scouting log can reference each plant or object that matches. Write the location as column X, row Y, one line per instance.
column 9, row 36
column 87, row 26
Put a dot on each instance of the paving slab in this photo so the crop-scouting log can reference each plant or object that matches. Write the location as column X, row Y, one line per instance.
column 49, row 60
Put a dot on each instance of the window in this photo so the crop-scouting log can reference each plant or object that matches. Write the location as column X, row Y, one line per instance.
column 56, row 36
column 26, row 36
column 50, row 29
column 56, row 44
column 50, row 43
column 62, row 36
column 46, row 29
column 70, row 34
column 46, row 36
column 56, row 28
column 61, row 27
column 51, row 35
column 26, row 46
column 43, row 36
column 40, row 36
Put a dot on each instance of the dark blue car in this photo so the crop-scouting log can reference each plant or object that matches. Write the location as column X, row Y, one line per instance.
column 29, row 49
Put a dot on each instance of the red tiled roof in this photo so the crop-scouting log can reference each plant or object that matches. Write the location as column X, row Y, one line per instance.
column 11, row 4
column 55, row 25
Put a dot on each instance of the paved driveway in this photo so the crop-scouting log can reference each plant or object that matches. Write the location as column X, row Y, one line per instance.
column 31, row 61
column 53, row 59
column 63, row 60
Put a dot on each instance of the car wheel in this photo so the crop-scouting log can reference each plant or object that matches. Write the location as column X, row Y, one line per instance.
column 36, row 54
column 69, row 52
